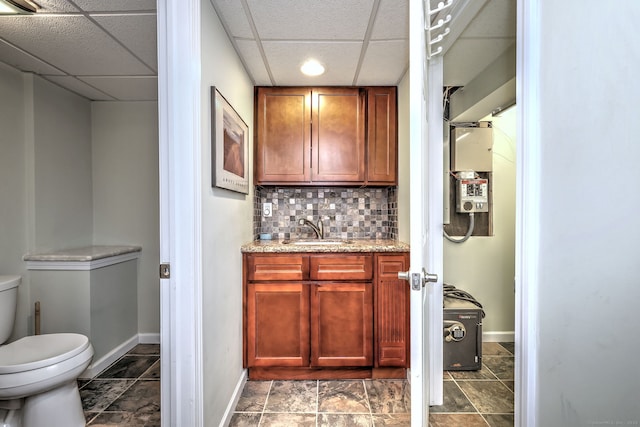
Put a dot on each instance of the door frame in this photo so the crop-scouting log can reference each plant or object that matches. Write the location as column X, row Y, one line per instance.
column 528, row 36
column 179, row 110
column 426, row 201
column 179, row 30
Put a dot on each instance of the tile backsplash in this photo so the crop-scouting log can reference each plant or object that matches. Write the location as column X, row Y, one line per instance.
column 347, row 213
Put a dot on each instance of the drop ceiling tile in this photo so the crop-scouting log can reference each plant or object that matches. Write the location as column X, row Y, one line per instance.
column 339, row 58
column 385, row 63
column 71, row 43
column 15, row 57
column 468, row 57
column 293, row 19
column 56, row 6
column 496, row 19
column 116, row 5
column 136, row 31
column 253, row 60
column 232, row 12
column 79, row 87
column 126, row 88
column 392, row 21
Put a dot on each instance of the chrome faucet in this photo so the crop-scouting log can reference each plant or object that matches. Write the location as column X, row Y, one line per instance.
column 318, row 229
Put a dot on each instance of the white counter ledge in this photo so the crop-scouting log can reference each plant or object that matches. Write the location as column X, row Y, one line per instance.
column 83, row 258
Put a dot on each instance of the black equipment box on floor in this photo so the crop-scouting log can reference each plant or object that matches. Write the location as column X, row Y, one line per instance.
column 462, row 335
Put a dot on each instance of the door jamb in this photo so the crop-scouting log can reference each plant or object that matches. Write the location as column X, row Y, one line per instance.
column 178, row 30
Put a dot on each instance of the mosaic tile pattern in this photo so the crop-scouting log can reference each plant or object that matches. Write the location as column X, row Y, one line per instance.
column 346, row 213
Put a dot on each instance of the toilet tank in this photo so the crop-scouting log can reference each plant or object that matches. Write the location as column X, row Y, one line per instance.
column 8, row 303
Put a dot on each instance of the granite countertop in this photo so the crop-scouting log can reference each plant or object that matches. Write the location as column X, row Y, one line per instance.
column 277, row 246
column 87, row 253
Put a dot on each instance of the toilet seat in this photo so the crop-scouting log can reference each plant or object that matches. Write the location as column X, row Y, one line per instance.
column 38, row 351
column 38, row 364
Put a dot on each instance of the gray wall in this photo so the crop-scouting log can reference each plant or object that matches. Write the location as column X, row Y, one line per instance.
column 485, row 265
column 585, row 269
column 100, row 303
column 62, row 167
column 74, row 174
column 13, row 187
column 46, row 175
column 125, row 192
column 226, row 224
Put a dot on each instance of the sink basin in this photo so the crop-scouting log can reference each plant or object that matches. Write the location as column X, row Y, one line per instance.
column 322, row 242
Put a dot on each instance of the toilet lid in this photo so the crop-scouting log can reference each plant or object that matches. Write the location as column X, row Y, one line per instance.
column 9, row 282
column 37, row 351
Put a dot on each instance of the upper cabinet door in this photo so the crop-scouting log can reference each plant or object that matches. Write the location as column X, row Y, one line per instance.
column 382, row 140
column 326, row 136
column 337, row 135
column 283, row 137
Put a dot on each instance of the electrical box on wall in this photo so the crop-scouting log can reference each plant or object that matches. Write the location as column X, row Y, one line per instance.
column 472, row 148
column 472, row 195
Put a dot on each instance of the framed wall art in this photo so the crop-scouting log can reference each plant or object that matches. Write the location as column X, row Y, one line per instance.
column 229, row 146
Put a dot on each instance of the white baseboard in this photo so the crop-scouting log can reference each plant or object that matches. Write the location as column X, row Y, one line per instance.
column 103, row 363
column 228, row 413
column 149, row 338
column 498, row 336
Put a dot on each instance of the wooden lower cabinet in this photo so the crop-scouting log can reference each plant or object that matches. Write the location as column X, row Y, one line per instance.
column 342, row 324
column 352, row 324
column 277, row 324
column 392, row 311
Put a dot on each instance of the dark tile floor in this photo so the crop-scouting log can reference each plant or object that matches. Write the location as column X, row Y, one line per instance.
column 127, row 393
column 471, row 398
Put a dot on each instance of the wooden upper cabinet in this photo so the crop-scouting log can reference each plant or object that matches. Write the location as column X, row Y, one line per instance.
column 382, row 136
column 337, row 135
column 283, row 138
column 320, row 136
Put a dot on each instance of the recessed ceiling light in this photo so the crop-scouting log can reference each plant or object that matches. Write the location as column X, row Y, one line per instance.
column 17, row 7
column 312, row 67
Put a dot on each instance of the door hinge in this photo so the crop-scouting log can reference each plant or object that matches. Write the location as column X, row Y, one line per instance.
column 165, row 271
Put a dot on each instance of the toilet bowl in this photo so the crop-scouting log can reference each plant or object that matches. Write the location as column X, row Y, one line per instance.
column 38, row 374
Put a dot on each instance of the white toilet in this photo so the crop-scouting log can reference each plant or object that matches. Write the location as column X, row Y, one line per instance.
column 38, row 374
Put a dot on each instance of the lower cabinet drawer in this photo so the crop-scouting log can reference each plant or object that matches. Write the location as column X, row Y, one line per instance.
column 341, row 267
column 277, row 267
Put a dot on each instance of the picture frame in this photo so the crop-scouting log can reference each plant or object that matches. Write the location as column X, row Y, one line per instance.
column 229, row 146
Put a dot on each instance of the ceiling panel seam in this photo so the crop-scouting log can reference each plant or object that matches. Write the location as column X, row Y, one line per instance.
column 18, row 48
column 76, row 92
column 125, row 47
column 367, row 37
column 233, row 40
column 258, row 41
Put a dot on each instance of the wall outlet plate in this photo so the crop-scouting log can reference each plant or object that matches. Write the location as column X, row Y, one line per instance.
column 267, row 210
